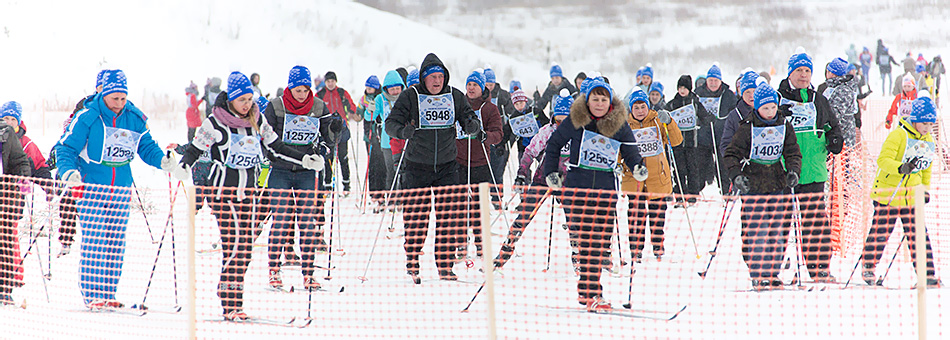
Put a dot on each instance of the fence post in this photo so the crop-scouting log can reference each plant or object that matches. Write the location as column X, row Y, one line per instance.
column 190, row 301
column 484, row 207
column 920, row 237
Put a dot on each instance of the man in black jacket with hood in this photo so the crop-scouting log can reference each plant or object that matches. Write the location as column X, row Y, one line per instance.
column 425, row 116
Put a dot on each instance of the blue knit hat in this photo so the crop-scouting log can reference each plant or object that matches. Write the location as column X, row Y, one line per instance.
column 413, row 77
column 430, row 70
column 598, row 82
column 556, row 71
column 513, row 84
column 238, row 85
column 648, row 71
column 714, row 72
column 851, row 67
column 640, row 71
column 748, row 81
column 656, row 87
column 919, row 68
column 99, row 77
column 923, row 111
column 11, row 109
column 637, row 96
column 262, row 103
column 764, row 94
column 476, row 77
column 489, row 75
column 562, row 104
column 114, row 81
column 299, row 75
column 373, row 82
column 838, row 67
column 799, row 59
column 392, row 79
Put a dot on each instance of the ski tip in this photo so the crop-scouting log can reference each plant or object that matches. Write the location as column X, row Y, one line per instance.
column 291, row 289
column 678, row 313
column 342, row 288
column 627, row 306
column 702, row 274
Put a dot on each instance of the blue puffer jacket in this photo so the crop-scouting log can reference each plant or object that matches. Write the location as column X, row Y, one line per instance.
column 80, row 147
column 384, row 105
column 613, row 125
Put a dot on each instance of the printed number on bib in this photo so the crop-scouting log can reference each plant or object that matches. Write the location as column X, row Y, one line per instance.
column 300, row 130
column 566, row 149
column 923, row 150
column 711, row 104
column 767, row 144
column 119, row 146
column 804, row 115
column 460, row 134
column 436, row 112
column 905, row 108
column 685, row 117
column 598, row 152
column 524, row 126
column 244, row 152
column 648, row 141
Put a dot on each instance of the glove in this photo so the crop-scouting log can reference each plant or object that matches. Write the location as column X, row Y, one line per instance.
column 169, row 163
column 73, row 178
column 519, row 184
column 742, row 184
column 472, row 126
column 409, row 130
column 481, row 135
column 313, row 162
column 181, row 172
column 835, row 144
column 908, row 168
column 791, row 179
column 663, row 116
column 887, row 124
column 640, row 172
column 554, row 180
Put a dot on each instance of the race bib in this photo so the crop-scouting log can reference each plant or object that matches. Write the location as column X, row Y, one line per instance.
column 524, row 126
column 804, row 115
column 205, row 156
column 300, row 130
column 767, row 144
column 648, row 141
column 244, row 152
column 436, row 112
column 566, row 149
column 494, row 101
column 905, row 108
column 685, row 117
column 460, row 134
column 711, row 104
column 119, row 146
column 829, row 91
column 923, row 150
column 598, row 152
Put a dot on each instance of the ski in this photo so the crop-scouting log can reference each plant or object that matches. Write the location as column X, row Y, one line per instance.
column 145, row 309
column 264, row 321
column 292, row 289
column 628, row 313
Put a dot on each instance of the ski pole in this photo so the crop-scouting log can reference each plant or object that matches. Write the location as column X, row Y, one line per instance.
column 159, row 251
column 727, row 211
column 332, row 200
column 550, row 235
column 379, row 230
column 796, row 216
column 712, row 131
column 682, row 193
column 858, row 262
column 144, row 216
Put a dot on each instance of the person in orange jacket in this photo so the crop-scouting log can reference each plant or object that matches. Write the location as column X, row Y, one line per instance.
column 653, row 131
column 903, row 101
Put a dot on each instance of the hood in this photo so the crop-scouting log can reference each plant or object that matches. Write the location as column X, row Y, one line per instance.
column 392, row 79
column 838, row 81
column 432, row 59
column 608, row 125
column 909, row 127
column 636, row 124
column 757, row 121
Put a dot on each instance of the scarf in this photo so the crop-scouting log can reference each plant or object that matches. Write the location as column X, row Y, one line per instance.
column 230, row 120
column 295, row 107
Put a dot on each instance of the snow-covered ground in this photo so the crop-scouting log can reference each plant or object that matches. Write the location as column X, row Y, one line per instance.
column 58, row 47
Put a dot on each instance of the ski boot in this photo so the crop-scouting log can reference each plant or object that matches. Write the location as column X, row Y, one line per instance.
column 597, row 304
column 310, row 284
column 275, row 281
column 236, row 315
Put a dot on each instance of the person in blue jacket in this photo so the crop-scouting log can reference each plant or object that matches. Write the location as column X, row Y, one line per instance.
column 598, row 132
column 392, row 88
column 95, row 152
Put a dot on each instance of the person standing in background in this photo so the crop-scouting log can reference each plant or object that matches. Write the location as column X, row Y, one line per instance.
column 339, row 102
column 193, row 115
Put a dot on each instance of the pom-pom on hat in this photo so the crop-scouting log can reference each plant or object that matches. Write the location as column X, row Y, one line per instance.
column 637, row 96
column 519, row 96
column 299, row 75
column 838, row 67
column 11, row 109
column 489, row 75
column 764, row 94
column 562, row 104
column 799, row 59
column 514, row 85
column 477, row 78
column 114, row 81
column 556, row 71
column 238, row 85
column 714, row 72
column 923, row 111
column 908, row 79
column 373, row 82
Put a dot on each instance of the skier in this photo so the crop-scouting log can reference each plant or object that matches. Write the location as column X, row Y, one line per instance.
column 653, row 131
column 531, row 196
column 903, row 102
column 646, row 78
column 526, row 120
column 392, row 88
column 718, row 100
column 236, row 135
column 904, row 163
column 818, row 133
column 884, row 62
column 690, row 161
column 372, row 125
column 596, row 128
column 298, row 118
column 866, row 60
column 657, row 98
column 763, row 159
column 554, row 87
column 340, row 103
column 12, row 112
column 96, row 149
column 841, row 90
column 747, row 85
column 425, row 116
column 16, row 163
column 192, row 115
column 472, row 153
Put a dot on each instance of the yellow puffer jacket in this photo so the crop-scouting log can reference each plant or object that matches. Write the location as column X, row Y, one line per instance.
column 891, row 158
column 659, row 183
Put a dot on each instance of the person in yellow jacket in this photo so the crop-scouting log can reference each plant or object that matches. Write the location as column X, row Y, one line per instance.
column 653, row 131
column 904, row 163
